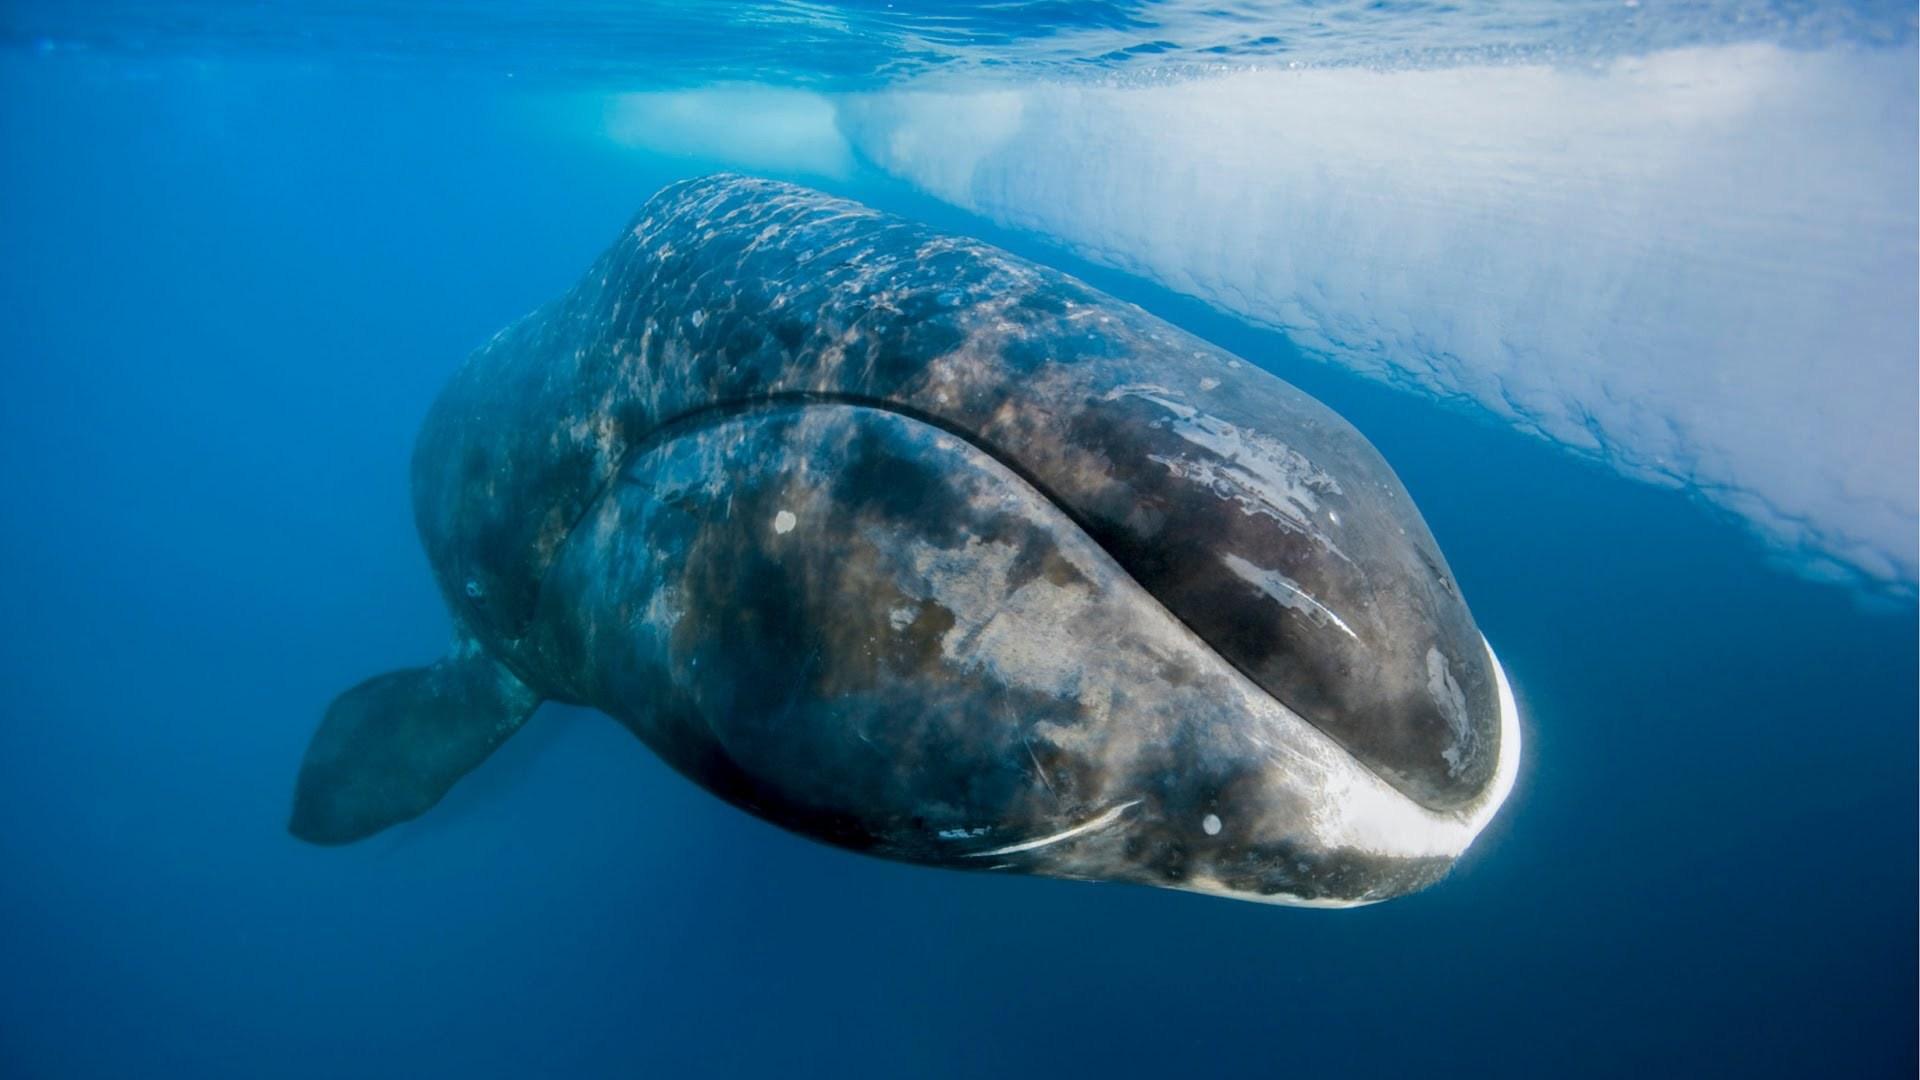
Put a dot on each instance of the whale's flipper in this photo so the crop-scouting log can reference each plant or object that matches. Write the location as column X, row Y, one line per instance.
column 389, row 748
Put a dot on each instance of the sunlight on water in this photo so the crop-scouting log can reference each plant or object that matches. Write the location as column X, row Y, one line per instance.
column 857, row 45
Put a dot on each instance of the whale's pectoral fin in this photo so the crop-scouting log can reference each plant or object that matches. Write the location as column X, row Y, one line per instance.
column 389, row 748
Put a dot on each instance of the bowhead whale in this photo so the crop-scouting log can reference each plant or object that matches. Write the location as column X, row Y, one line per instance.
column 917, row 548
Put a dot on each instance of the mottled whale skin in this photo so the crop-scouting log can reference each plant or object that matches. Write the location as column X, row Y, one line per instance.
column 917, row 548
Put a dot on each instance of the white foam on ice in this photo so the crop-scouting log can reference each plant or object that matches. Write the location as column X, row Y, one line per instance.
column 1697, row 265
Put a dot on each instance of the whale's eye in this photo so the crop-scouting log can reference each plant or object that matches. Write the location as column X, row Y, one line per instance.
column 475, row 591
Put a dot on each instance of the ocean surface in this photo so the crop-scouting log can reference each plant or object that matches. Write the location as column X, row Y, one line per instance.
column 1624, row 292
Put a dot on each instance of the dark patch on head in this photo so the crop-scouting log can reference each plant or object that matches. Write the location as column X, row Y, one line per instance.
column 1176, row 672
column 878, row 481
column 1368, row 689
column 898, row 345
column 791, row 331
column 915, row 647
column 1029, row 352
column 1043, row 302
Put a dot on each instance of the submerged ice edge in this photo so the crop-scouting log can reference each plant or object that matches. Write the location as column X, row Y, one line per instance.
column 1697, row 266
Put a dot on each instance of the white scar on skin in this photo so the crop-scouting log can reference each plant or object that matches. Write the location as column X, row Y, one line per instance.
column 1286, row 591
column 1102, row 821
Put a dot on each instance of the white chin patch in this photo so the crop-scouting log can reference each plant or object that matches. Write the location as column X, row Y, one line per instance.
column 1508, row 767
column 1360, row 812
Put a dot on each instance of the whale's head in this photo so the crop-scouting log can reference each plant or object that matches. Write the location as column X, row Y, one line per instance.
column 1356, row 731
column 1145, row 642
column 1279, row 538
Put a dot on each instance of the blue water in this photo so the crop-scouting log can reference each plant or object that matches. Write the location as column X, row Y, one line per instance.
column 239, row 261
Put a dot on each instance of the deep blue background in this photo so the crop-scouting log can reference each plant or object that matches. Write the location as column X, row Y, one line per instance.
column 227, row 295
